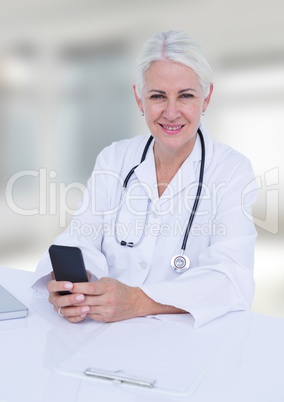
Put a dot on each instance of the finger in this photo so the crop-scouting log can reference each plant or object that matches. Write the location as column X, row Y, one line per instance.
column 73, row 313
column 103, row 313
column 102, row 317
column 97, row 288
column 76, row 319
column 59, row 286
column 67, row 300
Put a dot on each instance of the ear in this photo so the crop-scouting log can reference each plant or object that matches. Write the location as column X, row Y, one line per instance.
column 207, row 99
column 137, row 98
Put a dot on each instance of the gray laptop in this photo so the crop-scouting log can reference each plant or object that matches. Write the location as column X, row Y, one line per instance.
column 10, row 306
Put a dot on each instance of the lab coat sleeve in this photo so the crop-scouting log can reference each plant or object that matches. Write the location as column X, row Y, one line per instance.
column 84, row 231
column 223, row 279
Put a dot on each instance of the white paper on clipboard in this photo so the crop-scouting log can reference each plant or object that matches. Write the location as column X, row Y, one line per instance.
column 175, row 356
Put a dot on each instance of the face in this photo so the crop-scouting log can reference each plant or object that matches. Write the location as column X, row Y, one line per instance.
column 172, row 101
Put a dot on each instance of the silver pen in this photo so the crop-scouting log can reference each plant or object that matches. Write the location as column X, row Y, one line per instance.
column 115, row 376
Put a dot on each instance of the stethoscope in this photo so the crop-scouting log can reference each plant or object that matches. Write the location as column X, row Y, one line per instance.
column 180, row 262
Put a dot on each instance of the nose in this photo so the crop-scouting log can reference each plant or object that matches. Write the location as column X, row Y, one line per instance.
column 171, row 111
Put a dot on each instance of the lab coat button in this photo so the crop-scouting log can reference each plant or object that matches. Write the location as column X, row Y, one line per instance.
column 143, row 264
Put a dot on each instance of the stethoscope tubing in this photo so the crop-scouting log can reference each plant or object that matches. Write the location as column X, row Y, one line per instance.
column 199, row 189
column 195, row 204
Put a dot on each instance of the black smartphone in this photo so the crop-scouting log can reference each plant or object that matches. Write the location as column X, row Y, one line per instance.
column 68, row 264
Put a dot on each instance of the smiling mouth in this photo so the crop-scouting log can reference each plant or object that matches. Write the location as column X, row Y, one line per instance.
column 172, row 128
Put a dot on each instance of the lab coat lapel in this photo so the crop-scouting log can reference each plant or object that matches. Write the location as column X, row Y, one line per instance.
column 146, row 174
column 186, row 175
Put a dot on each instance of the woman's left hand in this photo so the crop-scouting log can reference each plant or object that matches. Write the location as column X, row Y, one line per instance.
column 110, row 300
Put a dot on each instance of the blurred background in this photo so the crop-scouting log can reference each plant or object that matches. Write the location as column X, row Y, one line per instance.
column 66, row 74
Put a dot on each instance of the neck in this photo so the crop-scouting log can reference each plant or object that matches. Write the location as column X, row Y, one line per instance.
column 166, row 158
column 168, row 162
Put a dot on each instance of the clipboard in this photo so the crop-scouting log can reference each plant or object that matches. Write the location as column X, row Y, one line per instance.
column 170, row 358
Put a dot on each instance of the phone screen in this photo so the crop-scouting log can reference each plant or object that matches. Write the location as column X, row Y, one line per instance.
column 68, row 264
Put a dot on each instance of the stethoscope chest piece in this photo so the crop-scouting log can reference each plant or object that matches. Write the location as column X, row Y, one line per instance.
column 180, row 263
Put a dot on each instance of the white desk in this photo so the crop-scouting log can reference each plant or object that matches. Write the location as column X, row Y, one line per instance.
column 251, row 368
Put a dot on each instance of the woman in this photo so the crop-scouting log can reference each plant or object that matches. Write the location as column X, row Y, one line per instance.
column 144, row 255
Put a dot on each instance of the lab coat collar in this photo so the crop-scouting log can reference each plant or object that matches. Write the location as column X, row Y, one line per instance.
column 187, row 174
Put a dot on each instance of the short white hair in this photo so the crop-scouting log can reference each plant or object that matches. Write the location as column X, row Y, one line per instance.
column 176, row 46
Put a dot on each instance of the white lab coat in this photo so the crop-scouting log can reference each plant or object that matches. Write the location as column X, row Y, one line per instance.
column 220, row 245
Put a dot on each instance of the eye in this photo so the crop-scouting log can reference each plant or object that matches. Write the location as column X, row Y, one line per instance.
column 157, row 96
column 186, row 96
